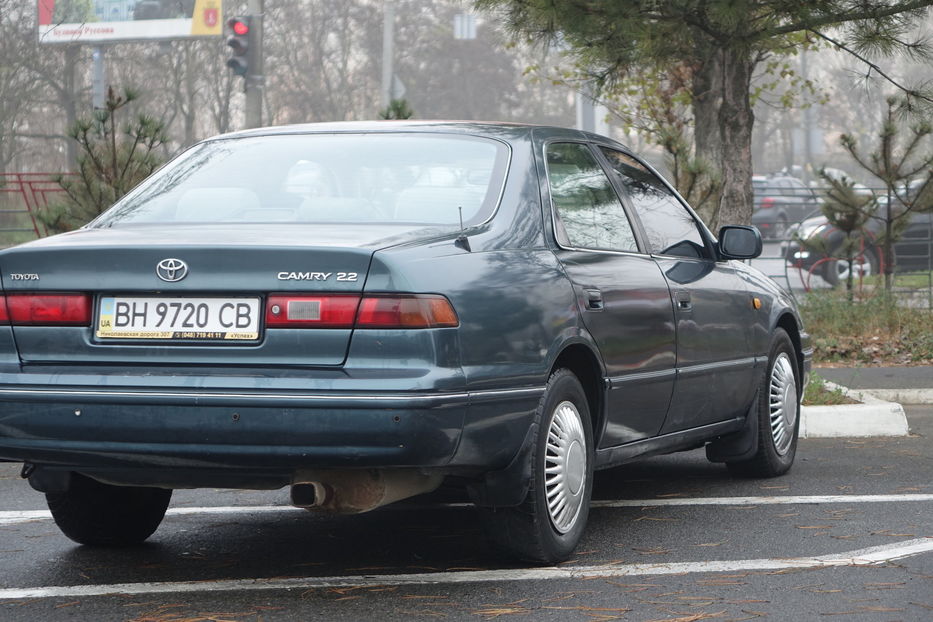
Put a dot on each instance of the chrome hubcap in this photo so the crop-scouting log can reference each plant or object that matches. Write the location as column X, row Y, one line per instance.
column 861, row 267
column 565, row 467
column 782, row 403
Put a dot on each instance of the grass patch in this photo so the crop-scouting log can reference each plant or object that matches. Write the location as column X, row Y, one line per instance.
column 816, row 393
column 872, row 330
column 922, row 280
column 914, row 280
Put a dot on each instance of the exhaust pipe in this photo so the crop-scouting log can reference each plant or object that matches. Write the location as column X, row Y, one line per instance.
column 309, row 495
column 357, row 491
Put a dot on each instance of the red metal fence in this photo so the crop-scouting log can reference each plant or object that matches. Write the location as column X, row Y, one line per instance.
column 22, row 195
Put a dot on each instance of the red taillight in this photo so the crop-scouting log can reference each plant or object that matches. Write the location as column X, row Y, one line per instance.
column 768, row 202
column 347, row 311
column 49, row 309
column 406, row 312
column 311, row 311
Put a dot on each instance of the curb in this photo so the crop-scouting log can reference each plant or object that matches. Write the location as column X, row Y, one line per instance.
column 903, row 396
column 872, row 417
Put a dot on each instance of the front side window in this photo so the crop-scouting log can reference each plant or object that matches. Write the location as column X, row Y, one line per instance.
column 323, row 178
column 589, row 213
column 669, row 226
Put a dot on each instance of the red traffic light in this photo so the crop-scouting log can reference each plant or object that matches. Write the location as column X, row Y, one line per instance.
column 238, row 25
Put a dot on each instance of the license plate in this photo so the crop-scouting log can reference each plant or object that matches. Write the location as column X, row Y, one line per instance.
column 220, row 319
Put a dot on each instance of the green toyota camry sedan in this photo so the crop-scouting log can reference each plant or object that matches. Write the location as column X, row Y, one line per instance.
column 361, row 312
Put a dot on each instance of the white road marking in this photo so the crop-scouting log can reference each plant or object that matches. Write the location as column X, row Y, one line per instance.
column 862, row 557
column 12, row 517
column 774, row 500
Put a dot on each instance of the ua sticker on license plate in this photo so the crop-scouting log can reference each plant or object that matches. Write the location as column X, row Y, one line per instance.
column 132, row 317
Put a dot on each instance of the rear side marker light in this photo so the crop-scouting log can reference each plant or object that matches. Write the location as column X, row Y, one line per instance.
column 48, row 309
column 349, row 311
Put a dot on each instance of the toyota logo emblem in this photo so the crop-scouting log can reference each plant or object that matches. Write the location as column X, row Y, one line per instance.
column 172, row 270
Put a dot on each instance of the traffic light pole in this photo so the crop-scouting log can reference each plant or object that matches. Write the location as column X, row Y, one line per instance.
column 255, row 80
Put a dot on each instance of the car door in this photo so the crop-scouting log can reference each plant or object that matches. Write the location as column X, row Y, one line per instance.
column 712, row 308
column 622, row 294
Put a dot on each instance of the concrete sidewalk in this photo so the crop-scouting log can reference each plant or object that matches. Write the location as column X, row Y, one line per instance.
column 905, row 385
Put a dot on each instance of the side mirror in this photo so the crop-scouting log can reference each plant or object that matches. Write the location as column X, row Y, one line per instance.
column 739, row 242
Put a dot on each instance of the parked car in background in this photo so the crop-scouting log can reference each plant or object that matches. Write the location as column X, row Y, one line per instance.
column 817, row 246
column 362, row 311
column 779, row 202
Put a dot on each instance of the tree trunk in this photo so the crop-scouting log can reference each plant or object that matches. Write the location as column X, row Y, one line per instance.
column 706, row 103
column 724, row 120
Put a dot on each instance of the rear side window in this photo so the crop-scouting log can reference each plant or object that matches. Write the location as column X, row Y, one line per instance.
column 669, row 226
column 588, row 211
column 323, row 178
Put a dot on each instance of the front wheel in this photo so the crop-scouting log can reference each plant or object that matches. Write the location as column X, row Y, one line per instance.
column 778, row 414
column 548, row 524
column 93, row 513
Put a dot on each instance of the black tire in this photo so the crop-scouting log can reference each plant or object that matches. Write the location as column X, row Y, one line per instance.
column 778, row 425
column 531, row 531
column 103, row 515
column 834, row 270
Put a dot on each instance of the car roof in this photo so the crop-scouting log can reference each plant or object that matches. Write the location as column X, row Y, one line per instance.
column 492, row 129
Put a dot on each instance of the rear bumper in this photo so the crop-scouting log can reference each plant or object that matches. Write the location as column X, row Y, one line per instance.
column 191, row 433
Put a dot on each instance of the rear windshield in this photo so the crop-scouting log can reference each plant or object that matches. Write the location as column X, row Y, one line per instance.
column 323, row 178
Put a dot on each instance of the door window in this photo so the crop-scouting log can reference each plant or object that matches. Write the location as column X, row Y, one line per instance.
column 589, row 214
column 669, row 226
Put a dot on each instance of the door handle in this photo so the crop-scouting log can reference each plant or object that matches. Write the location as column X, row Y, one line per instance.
column 594, row 299
column 684, row 303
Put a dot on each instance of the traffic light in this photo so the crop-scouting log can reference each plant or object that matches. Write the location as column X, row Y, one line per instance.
column 239, row 42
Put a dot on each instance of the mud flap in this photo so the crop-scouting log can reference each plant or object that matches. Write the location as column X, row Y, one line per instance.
column 740, row 445
column 508, row 487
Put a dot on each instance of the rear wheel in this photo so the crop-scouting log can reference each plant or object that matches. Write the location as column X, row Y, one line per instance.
column 549, row 523
column 778, row 414
column 100, row 514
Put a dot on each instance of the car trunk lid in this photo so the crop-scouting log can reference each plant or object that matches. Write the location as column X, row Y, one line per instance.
column 225, row 265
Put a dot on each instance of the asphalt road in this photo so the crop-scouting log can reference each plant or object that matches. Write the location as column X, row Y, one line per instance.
column 660, row 546
column 915, row 377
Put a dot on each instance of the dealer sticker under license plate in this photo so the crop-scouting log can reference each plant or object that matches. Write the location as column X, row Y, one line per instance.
column 132, row 317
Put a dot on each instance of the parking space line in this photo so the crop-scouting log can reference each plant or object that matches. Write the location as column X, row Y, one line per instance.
column 863, row 557
column 773, row 500
column 12, row 517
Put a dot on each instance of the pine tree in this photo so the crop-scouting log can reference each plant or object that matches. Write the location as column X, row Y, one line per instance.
column 111, row 161
column 897, row 161
column 721, row 42
column 397, row 109
column 848, row 211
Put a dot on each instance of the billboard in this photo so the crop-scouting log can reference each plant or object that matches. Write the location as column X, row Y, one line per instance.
column 98, row 21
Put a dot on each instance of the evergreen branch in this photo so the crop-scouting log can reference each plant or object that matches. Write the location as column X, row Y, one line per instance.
column 923, row 166
column 873, row 67
column 865, row 12
column 89, row 151
column 909, row 149
column 849, row 144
